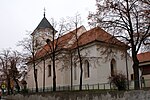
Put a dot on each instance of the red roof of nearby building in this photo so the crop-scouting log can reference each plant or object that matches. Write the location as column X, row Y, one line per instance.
column 95, row 34
column 142, row 57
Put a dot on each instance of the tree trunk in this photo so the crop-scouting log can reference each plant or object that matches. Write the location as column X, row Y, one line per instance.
column 81, row 69
column 136, row 71
column 136, row 76
column 8, row 85
column 54, row 46
column 80, row 59
column 18, row 87
column 71, row 71
column 35, row 78
column 44, row 75
column 81, row 74
column 54, row 73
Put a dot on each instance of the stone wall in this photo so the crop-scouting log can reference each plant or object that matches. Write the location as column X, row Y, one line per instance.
column 86, row 95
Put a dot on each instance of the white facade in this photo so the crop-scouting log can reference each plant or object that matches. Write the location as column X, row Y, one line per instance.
column 99, row 67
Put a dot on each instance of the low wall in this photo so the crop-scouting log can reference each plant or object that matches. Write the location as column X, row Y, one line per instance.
column 86, row 95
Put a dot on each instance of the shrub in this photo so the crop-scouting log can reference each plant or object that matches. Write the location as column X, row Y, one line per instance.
column 119, row 80
column 24, row 91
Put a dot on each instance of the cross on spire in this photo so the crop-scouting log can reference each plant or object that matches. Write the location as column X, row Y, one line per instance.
column 44, row 11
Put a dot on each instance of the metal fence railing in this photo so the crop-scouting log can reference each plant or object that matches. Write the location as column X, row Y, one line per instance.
column 102, row 86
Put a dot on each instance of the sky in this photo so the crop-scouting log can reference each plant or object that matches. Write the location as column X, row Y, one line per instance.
column 19, row 17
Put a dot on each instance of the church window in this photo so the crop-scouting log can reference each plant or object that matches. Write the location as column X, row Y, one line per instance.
column 49, row 70
column 113, row 67
column 75, row 71
column 36, row 72
column 132, row 77
column 86, row 69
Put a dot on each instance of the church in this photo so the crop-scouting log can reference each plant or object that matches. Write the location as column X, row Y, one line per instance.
column 102, row 56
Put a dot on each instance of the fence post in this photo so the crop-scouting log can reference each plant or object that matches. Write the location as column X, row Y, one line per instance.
column 51, row 88
column 46, row 89
column 59, row 88
column 85, row 87
column 110, row 86
column 63, row 88
column 93, row 86
column 68, row 88
column 43, row 89
column 98, row 86
column 104, row 86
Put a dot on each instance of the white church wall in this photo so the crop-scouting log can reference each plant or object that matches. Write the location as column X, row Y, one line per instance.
column 99, row 69
column 30, row 78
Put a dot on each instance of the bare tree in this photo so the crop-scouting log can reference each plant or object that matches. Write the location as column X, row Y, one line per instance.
column 15, row 60
column 54, row 46
column 79, row 54
column 9, row 61
column 74, row 23
column 128, row 20
column 4, row 61
column 30, row 46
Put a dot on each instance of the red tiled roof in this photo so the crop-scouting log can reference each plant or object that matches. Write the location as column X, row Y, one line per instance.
column 61, row 43
column 98, row 34
column 95, row 34
column 142, row 57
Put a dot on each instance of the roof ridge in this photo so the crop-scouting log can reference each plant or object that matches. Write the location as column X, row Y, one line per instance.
column 72, row 31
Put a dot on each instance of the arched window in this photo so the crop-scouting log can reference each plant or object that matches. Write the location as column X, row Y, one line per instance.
column 36, row 43
column 36, row 72
column 49, row 70
column 75, row 71
column 113, row 67
column 87, row 69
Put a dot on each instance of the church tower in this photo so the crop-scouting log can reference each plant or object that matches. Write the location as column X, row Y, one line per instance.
column 43, row 32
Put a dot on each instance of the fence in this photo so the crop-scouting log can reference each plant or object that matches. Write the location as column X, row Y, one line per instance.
column 105, row 86
column 102, row 86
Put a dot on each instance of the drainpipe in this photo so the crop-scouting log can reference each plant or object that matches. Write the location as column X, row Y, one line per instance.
column 44, row 76
column 71, row 72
